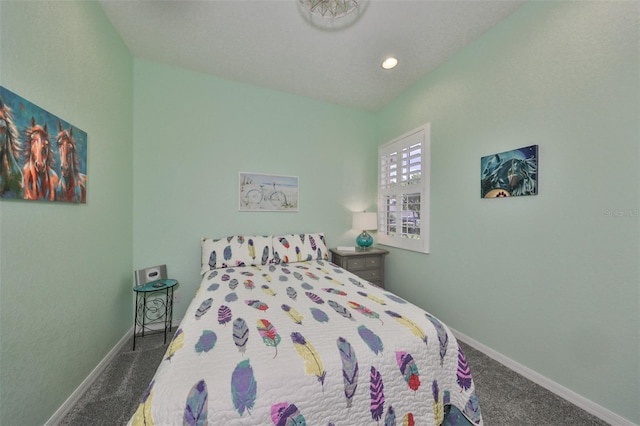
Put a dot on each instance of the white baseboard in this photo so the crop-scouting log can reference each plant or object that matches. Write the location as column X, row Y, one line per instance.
column 64, row 409
column 567, row 394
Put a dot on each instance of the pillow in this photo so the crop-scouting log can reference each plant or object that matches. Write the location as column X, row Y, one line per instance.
column 237, row 250
column 299, row 248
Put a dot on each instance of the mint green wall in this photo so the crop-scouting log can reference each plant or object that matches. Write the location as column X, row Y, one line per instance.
column 65, row 270
column 194, row 133
column 551, row 281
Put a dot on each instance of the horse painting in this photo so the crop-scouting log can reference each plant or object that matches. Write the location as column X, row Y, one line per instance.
column 40, row 180
column 72, row 183
column 10, row 153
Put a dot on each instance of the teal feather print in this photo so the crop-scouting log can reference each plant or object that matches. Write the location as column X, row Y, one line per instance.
column 349, row 369
column 356, row 282
column 341, row 310
column 231, row 297
column 298, row 276
column 207, row 341
column 256, row 304
column 472, row 409
column 243, row 387
column 204, row 307
column 284, row 242
column 306, row 286
column 195, row 413
column 265, row 255
column 240, row 239
column 285, row 414
column 269, row 334
column 409, row 369
column 212, row 259
column 319, row 315
column 233, row 284
column 213, row 287
column 212, row 275
column 443, row 337
column 240, row 334
column 390, row 417
column 376, row 390
column 365, row 311
column 371, row 339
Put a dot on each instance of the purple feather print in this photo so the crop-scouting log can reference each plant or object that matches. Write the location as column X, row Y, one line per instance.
column 227, row 253
column 376, row 389
column 319, row 315
column 213, row 287
column 371, row 339
column 341, row 310
column 463, row 373
column 285, row 414
column 261, row 306
column 335, row 291
column 291, row 292
column 314, row 297
column 224, row 315
column 225, row 277
column 349, row 369
column 443, row 337
column 312, row 241
column 408, row 369
column 212, row 260
column 204, row 307
column 472, row 409
column 243, row 387
column 207, row 341
column 231, row 297
column 195, row 412
column 240, row 334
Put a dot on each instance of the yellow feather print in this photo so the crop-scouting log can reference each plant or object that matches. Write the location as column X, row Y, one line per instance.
column 176, row 344
column 312, row 362
column 142, row 416
column 293, row 314
column 413, row 327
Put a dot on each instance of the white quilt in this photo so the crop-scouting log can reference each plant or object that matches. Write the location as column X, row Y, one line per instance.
column 307, row 343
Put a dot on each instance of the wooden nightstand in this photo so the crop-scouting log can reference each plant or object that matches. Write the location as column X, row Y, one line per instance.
column 367, row 264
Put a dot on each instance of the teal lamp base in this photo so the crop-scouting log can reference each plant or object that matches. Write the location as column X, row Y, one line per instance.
column 364, row 241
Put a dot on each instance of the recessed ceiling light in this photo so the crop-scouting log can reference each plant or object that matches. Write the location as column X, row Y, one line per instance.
column 389, row 63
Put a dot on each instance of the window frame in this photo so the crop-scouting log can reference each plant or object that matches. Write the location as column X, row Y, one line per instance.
column 397, row 189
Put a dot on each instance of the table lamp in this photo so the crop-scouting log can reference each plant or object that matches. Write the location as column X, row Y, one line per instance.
column 365, row 221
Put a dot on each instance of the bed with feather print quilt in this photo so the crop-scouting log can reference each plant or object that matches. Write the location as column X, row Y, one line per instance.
column 307, row 343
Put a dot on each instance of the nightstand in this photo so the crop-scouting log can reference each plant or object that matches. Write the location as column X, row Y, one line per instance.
column 367, row 264
column 153, row 308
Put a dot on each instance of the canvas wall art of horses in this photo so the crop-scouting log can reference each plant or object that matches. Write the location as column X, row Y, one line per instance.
column 10, row 155
column 72, row 183
column 39, row 178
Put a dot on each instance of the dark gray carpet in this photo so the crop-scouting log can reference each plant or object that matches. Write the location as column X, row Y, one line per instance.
column 506, row 398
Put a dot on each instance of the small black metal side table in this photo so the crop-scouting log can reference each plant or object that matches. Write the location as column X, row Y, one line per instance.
column 153, row 310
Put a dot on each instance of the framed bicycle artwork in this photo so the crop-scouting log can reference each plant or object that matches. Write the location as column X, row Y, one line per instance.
column 258, row 192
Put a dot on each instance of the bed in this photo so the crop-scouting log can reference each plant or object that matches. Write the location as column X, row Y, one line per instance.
column 277, row 334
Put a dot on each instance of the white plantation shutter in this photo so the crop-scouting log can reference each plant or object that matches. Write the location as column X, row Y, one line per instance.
column 403, row 191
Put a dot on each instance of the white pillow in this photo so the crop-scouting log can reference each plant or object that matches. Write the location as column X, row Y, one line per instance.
column 299, row 248
column 237, row 250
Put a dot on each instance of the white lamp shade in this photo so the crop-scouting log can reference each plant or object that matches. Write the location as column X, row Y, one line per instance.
column 365, row 221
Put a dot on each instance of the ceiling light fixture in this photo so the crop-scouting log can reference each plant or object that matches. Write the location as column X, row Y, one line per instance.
column 330, row 8
column 389, row 63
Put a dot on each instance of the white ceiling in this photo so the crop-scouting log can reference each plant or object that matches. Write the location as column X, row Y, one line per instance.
column 272, row 43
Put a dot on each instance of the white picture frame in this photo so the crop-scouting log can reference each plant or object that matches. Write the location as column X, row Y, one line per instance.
column 259, row 192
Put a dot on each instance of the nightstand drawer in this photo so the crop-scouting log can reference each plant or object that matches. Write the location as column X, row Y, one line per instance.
column 355, row 264
column 369, row 274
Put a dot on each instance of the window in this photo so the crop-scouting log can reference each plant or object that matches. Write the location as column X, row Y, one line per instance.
column 403, row 191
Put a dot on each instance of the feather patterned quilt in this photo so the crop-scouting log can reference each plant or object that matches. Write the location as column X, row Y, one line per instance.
column 307, row 343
